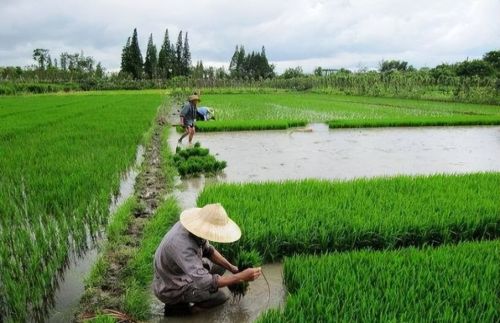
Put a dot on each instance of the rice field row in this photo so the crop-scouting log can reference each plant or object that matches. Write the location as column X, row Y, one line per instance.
column 453, row 120
column 458, row 283
column 344, row 110
column 62, row 157
column 312, row 216
column 240, row 125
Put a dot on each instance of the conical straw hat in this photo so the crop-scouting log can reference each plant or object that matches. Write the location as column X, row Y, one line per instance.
column 211, row 223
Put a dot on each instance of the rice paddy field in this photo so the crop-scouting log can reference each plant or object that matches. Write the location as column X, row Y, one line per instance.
column 61, row 160
column 268, row 110
column 285, row 218
column 406, row 248
column 447, row 284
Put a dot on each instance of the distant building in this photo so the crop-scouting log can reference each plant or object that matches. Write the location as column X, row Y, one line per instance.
column 328, row 71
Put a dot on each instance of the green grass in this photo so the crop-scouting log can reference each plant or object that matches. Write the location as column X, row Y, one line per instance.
column 312, row 216
column 261, row 110
column 61, row 158
column 448, row 284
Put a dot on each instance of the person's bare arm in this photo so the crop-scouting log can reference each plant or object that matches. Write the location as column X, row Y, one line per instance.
column 249, row 274
column 219, row 259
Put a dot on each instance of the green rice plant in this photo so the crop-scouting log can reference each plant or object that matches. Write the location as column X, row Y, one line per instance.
column 120, row 220
column 135, row 301
column 453, row 120
column 194, row 161
column 456, row 283
column 102, row 318
column 97, row 273
column 314, row 216
column 240, row 125
column 324, row 107
column 62, row 158
column 244, row 260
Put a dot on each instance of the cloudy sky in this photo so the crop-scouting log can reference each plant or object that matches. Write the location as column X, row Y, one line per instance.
column 309, row 33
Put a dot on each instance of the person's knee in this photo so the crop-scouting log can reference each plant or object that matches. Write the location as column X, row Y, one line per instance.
column 215, row 299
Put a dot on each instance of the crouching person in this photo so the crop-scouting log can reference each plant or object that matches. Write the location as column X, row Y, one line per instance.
column 188, row 270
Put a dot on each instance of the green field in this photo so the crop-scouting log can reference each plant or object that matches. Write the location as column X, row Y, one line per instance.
column 62, row 157
column 258, row 109
column 312, row 216
column 446, row 284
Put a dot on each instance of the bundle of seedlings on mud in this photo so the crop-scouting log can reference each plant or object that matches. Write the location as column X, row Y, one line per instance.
column 194, row 161
column 244, row 260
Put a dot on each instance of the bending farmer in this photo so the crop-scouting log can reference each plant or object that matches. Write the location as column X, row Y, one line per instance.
column 205, row 114
column 188, row 270
column 188, row 117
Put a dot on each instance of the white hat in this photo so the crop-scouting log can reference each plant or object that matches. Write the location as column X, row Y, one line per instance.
column 211, row 223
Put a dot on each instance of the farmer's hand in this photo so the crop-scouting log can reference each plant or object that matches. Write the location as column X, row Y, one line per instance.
column 250, row 274
column 233, row 269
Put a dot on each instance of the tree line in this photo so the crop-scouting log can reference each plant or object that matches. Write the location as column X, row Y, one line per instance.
column 170, row 61
column 487, row 66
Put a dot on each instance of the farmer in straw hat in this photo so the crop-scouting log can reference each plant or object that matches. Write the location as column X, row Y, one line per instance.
column 188, row 117
column 188, row 269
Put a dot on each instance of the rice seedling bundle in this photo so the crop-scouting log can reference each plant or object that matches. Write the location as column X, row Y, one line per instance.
column 244, row 260
column 455, row 283
column 194, row 161
column 313, row 216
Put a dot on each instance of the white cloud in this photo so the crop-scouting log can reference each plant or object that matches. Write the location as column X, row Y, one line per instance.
column 302, row 32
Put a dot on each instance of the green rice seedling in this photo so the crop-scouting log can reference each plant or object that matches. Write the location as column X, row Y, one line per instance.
column 62, row 158
column 323, row 107
column 244, row 260
column 453, row 120
column 240, row 125
column 454, row 283
column 194, row 161
column 314, row 216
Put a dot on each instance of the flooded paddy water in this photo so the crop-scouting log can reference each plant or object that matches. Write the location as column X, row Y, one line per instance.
column 323, row 153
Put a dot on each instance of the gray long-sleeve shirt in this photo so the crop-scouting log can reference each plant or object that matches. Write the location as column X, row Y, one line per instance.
column 188, row 112
column 178, row 263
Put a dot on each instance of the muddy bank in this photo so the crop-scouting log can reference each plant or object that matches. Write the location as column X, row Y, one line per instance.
column 258, row 299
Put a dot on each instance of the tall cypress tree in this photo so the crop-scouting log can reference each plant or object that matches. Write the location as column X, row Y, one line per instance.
column 165, row 58
column 125, row 65
column 241, row 63
column 234, row 61
column 151, row 62
column 178, row 56
column 135, row 57
column 186, row 56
